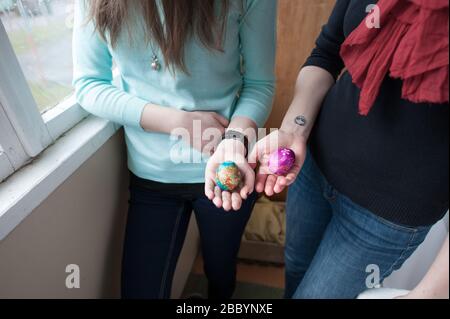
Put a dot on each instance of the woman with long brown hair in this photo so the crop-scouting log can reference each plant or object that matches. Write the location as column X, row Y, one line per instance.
column 198, row 68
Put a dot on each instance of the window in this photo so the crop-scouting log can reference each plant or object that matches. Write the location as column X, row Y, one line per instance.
column 40, row 32
column 36, row 96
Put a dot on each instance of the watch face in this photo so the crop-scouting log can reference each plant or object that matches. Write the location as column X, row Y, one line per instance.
column 234, row 135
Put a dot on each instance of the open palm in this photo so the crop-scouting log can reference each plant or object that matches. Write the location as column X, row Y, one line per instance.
column 266, row 181
column 229, row 151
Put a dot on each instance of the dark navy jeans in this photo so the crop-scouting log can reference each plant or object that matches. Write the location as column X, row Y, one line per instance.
column 158, row 220
column 336, row 249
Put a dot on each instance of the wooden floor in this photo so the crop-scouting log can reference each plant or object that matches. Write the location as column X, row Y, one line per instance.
column 254, row 281
column 252, row 273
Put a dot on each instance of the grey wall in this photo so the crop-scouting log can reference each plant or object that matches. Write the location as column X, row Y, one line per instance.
column 81, row 223
column 416, row 267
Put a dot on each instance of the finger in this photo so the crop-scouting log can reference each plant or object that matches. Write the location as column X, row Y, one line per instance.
column 280, row 185
column 258, row 151
column 218, row 197
column 222, row 120
column 260, row 182
column 209, row 188
column 211, row 167
column 293, row 174
column 282, row 181
column 226, row 200
column 270, row 184
column 222, row 130
column 253, row 156
column 266, row 146
column 290, row 178
column 261, row 148
column 249, row 180
column 210, row 173
column 236, row 201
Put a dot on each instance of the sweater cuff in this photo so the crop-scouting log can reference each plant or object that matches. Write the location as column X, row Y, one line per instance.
column 133, row 112
column 256, row 113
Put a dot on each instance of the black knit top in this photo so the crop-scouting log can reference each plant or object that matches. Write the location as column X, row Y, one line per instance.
column 393, row 162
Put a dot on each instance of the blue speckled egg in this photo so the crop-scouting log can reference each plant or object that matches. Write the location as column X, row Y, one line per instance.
column 228, row 176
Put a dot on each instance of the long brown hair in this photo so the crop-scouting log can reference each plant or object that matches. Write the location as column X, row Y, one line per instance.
column 183, row 19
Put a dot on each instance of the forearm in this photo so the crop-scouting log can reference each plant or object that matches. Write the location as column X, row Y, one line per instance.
column 435, row 284
column 313, row 84
column 243, row 124
column 159, row 119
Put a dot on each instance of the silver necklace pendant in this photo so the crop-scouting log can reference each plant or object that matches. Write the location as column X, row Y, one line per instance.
column 156, row 66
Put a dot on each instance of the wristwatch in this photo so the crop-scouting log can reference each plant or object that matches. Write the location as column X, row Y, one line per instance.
column 236, row 135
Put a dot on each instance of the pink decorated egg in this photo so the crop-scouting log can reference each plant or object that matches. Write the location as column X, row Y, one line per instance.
column 281, row 161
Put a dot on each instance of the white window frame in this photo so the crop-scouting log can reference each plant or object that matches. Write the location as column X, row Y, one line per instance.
column 24, row 131
column 5, row 165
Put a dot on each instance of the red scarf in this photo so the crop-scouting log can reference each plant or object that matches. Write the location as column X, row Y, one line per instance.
column 412, row 44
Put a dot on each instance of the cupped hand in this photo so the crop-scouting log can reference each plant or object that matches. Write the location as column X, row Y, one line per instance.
column 229, row 151
column 266, row 181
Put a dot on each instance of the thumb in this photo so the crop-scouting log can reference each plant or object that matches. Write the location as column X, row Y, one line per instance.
column 261, row 148
column 249, row 180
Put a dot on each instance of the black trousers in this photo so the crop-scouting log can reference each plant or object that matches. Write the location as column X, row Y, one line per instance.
column 158, row 220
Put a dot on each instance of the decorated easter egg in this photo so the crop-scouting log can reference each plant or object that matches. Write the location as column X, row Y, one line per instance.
column 228, row 176
column 281, row 161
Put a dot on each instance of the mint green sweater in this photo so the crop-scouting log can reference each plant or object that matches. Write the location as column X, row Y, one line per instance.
column 215, row 82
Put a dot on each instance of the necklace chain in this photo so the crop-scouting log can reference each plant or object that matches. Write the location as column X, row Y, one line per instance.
column 155, row 64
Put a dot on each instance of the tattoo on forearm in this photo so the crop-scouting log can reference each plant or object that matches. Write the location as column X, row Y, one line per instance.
column 301, row 120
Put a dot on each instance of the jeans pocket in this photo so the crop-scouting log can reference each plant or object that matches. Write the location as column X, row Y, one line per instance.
column 416, row 239
column 397, row 227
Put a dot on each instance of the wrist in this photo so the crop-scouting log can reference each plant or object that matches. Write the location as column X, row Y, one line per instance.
column 233, row 146
column 178, row 119
column 295, row 132
column 235, row 135
column 299, row 120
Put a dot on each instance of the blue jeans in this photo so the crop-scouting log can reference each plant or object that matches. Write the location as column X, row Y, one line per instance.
column 158, row 220
column 334, row 246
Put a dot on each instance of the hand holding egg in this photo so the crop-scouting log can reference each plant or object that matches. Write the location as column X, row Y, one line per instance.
column 229, row 178
column 281, row 156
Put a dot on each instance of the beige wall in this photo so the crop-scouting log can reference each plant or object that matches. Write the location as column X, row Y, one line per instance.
column 81, row 223
column 299, row 24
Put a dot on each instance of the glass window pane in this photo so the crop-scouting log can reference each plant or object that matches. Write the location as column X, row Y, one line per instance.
column 40, row 32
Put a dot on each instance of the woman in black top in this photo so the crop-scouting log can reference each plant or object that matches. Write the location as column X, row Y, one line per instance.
column 370, row 186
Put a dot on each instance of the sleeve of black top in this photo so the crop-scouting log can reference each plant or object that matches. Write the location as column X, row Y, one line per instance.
column 326, row 54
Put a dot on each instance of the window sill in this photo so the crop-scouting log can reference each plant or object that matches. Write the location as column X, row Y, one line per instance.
column 26, row 189
column 63, row 117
